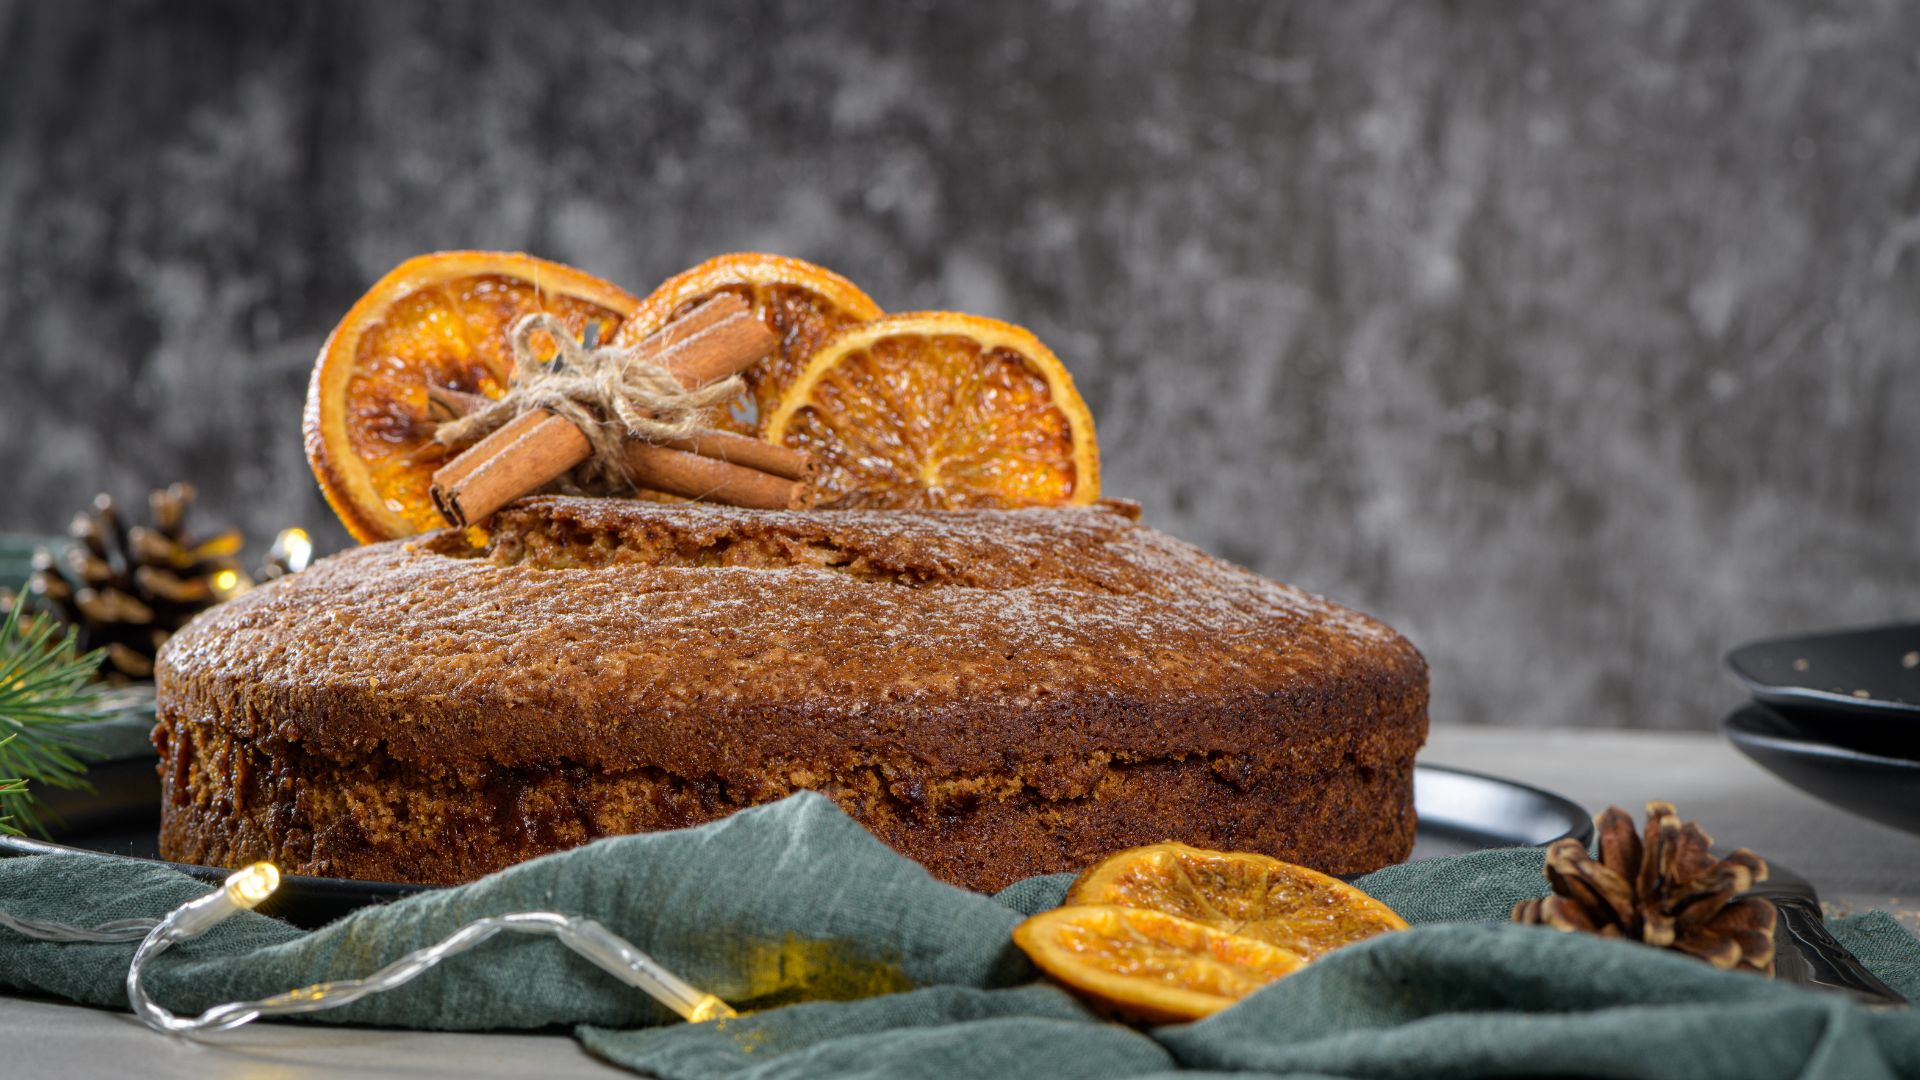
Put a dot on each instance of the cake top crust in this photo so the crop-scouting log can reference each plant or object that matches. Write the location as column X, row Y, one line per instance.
column 597, row 629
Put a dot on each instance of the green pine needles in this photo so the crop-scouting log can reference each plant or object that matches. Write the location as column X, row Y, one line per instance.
column 46, row 687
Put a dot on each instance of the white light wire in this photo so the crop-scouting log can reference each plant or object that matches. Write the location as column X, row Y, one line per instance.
column 609, row 951
column 43, row 930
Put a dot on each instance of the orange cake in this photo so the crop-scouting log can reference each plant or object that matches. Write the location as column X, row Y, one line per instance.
column 995, row 693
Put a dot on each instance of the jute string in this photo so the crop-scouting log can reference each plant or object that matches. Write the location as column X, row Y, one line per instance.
column 610, row 393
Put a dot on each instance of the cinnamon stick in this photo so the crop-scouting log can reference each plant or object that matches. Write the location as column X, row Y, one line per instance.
column 692, row 476
column 716, row 339
column 727, row 347
column 753, row 453
column 698, row 318
column 526, row 454
column 722, row 445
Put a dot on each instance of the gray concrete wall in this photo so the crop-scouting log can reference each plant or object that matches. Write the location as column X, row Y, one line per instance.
column 1578, row 340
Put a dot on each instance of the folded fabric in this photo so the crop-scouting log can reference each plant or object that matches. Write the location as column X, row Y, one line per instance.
column 849, row 960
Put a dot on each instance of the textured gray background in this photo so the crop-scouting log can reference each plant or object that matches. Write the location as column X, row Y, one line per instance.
column 1576, row 340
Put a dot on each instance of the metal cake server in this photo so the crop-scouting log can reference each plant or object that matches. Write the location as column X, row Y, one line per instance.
column 1807, row 953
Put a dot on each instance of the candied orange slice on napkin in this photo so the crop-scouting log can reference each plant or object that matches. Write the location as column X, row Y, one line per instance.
column 1240, row 893
column 1168, row 933
column 1149, row 965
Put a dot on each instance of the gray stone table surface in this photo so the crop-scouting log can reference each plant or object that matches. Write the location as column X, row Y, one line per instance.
column 1854, row 863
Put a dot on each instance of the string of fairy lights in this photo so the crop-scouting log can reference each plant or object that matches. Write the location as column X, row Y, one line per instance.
column 246, row 888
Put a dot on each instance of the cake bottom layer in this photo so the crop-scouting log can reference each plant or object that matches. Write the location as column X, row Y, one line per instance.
column 1342, row 804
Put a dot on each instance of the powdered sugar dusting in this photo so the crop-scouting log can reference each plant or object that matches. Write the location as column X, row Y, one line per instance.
column 600, row 607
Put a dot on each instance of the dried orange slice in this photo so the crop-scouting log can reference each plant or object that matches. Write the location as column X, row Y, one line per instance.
column 436, row 320
column 1147, row 964
column 801, row 302
column 1253, row 896
column 941, row 410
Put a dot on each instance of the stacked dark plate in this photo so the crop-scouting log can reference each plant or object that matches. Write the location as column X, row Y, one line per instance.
column 1837, row 715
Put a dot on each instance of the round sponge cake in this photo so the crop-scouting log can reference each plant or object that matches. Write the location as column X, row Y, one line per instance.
column 994, row 693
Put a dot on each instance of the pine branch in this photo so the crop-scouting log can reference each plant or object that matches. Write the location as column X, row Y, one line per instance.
column 46, row 687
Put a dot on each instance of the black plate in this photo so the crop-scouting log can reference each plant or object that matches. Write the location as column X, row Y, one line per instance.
column 1464, row 811
column 1879, row 787
column 1873, row 672
column 1459, row 811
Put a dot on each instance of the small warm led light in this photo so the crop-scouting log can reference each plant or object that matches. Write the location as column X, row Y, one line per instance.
column 294, row 549
column 226, row 581
column 250, row 886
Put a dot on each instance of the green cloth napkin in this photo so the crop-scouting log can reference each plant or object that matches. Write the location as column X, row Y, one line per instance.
column 852, row 961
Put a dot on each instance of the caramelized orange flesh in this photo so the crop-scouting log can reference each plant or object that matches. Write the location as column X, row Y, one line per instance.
column 1239, row 893
column 453, row 337
column 1148, row 964
column 940, row 411
column 437, row 321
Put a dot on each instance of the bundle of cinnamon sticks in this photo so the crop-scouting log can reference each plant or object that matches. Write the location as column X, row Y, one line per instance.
column 713, row 341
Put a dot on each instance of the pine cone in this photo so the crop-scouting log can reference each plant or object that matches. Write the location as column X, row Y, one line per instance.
column 1667, row 890
column 128, row 590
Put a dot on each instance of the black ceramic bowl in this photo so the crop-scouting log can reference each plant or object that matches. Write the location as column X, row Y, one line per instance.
column 1875, row 786
column 1871, row 672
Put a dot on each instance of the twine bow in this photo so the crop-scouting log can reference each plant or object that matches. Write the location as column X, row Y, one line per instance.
column 610, row 393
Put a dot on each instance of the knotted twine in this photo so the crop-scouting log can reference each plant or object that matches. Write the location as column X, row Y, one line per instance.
column 611, row 393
